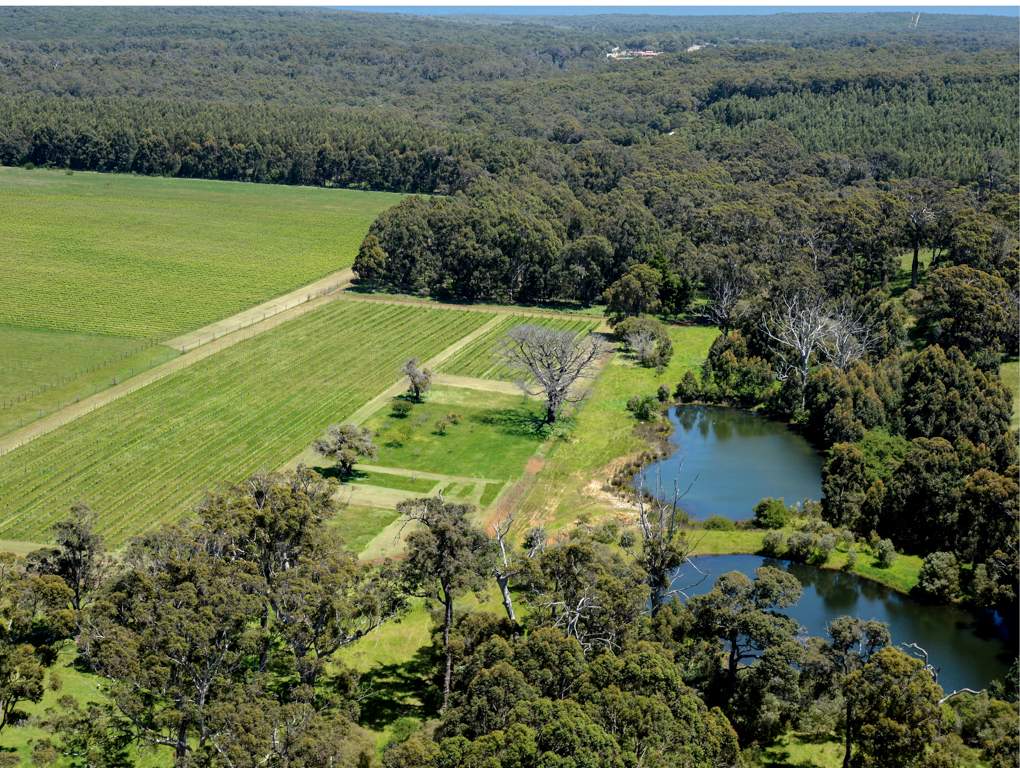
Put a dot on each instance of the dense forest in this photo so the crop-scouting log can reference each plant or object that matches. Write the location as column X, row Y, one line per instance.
column 768, row 182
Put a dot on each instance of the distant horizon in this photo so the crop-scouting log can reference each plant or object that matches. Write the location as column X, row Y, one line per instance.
column 664, row 10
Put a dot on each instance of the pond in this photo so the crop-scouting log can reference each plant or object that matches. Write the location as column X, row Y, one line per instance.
column 971, row 651
column 737, row 459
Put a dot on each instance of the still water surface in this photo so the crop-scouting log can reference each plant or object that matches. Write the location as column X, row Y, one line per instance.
column 738, row 459
column 971, row 651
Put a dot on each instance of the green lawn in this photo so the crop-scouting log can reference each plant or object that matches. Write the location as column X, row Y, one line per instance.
column 494, row 439
column 41, row 371
column 900, row 283
column 83, row 687
column 360, row 524
column 901, row 575
column 148, row 456
column 397, row 482
column 151, row 258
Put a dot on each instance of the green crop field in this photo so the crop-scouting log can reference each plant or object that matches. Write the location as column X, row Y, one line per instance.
column 152, row 258
column 41, row 370
column 146, row 457
column 478, row 359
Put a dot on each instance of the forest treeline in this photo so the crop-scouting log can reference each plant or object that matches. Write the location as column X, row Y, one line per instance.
column 906, row 102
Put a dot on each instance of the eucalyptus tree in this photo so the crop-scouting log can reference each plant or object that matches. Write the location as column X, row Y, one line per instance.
column 445, row 558
column 743, row 614
column 828, row 665
column 82, row 560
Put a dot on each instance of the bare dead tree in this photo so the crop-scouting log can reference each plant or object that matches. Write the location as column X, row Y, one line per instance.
column 661, row 545
column 571, row 612
column 922, row 654
column 819, row 245
column 850, row 336
column 801, row 323
column 536, row 540
column 642, row 342
column 551, row 363
column 508, row 564
column 727, row 306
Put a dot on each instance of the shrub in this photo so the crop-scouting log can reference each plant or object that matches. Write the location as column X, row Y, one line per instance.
column 815, row 525
column 799, row 546
column 939, row 577
column 846, row 538
column 648, row 339
column 442, row 426
column 454, row 418
column 400, row 408
column 851, row 560
column 644, row 407
column 823, row 548
column 403, row 728
column 771, row 514
column 773, row 544
column 400, row 436
column 689, row 388
column 718, row 523
column 663, row 393
column 886, row 553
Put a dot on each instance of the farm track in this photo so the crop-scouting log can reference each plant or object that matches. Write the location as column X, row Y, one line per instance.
column 251, row 317
column 482, row 385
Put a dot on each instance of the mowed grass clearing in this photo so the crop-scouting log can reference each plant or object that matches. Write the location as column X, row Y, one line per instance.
column 146, row 457
column 42, row 370
column 151, row 258
column 494, row 439
column 478, row 359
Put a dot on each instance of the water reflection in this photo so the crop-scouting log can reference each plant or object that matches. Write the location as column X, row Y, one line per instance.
column 738, row 459
column 971, row 650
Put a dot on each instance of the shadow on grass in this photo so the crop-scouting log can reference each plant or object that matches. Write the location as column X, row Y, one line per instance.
column 520, row 422
column 335, row 474
column 399, row 690
column 782, row 760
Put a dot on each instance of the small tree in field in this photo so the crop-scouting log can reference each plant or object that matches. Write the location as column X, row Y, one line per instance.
column 345, row 444
column 550, row 363
column 420, row 379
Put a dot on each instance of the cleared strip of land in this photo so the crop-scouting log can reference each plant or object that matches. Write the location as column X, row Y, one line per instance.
column 598, row 322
